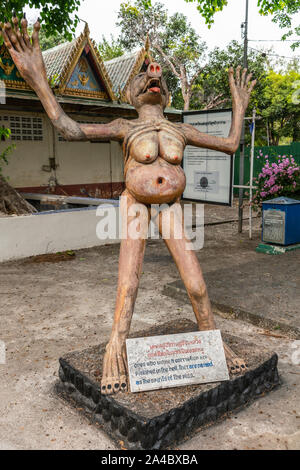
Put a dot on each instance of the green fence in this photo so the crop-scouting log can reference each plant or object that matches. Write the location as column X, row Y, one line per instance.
column 272, row 151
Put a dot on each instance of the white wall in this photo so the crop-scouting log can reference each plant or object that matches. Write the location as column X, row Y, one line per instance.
column 78, row 162
column 117, row 161
column 25, row 163
column 83, row 163
column 24, row 236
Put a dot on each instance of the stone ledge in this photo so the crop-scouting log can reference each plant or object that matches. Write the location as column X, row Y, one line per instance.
column 270, row 249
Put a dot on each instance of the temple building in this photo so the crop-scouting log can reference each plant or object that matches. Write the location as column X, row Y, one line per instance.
column 89, row 90
column 122, row 69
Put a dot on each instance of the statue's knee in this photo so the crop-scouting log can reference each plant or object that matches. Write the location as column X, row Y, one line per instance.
column 197, row 290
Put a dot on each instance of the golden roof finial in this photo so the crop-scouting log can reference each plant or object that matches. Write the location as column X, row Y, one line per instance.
column 147, row 43
column 147, row 48
column 86, row 29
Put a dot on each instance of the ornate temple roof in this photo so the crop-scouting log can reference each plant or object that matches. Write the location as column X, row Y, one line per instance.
column 73, row 68
column 122, row 69
column 56, row 59
column 119, row 69
column 77, row 73
column 77, row 69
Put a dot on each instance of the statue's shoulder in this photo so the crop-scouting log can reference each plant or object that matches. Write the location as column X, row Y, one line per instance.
column 130, row 124
column 177, row 125
column 121, row 122
column 121, row 126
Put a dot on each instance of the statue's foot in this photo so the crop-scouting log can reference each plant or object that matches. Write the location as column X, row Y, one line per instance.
column 114, row 373
column 235, row 364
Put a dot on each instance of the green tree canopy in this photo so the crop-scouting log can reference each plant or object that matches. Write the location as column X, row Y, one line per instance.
column 58, row 16
column 47, row 41
column 211, row 88
column 110, row 49
column 273, row 96
column 279, row 105
column 175, row 42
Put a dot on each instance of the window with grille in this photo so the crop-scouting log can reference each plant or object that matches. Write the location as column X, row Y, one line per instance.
column 23, row 127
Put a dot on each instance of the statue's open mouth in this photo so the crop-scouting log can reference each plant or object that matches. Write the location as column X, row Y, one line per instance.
column 153, row 86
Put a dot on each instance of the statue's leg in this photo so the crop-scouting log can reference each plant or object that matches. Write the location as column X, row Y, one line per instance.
column 191, row 274
column 114, row 374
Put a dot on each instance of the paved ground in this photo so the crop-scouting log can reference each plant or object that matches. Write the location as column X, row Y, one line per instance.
column 218, row 214
column 258, row 287
column 48, row 309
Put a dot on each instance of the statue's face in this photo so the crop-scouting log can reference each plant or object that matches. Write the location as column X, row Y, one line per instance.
column 148, row 88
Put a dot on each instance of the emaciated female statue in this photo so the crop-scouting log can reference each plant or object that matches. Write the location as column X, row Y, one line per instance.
column 153, row 151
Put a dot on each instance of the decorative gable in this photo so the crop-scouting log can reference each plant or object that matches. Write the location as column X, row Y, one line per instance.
column 9, row 73
column 85, row 79
column 74, row 69
column 83, row 73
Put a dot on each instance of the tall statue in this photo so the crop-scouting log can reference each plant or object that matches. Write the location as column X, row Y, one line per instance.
column 153, row 151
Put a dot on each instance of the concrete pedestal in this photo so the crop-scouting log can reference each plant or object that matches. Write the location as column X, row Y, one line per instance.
column 158, row 419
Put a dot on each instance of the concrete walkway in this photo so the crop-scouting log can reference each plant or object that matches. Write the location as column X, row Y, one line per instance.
column 48, row 309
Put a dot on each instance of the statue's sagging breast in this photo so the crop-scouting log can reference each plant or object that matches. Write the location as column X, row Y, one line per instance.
column 153, row 156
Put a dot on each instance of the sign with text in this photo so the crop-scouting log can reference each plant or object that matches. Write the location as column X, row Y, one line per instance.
column 208, row 172
column 176, row 360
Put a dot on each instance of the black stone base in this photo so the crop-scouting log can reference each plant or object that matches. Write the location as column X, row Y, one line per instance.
column 159, row 419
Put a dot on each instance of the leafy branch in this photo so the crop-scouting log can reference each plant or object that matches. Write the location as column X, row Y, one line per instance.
column 5, row 134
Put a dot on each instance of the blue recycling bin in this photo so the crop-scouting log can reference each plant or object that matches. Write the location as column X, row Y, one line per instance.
column 281, row 221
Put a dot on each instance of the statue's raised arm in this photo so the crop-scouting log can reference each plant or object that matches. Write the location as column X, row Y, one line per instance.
column 27, row 56
column 241, row 87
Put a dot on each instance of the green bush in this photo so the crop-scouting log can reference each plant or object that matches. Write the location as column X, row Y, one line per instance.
column 5, row 134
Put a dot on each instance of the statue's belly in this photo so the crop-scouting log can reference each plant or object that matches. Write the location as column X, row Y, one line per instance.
column 155, row 183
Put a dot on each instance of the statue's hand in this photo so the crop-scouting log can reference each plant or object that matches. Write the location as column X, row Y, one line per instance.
column 240, row 87
column 25, row 52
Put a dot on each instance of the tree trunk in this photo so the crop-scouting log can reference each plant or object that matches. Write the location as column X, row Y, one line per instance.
column 296, row 130
column 186, row 100
column 186, row 92
column 272, row 134
column 11, row 202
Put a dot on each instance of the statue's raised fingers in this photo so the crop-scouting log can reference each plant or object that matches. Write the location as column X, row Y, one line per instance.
column 24, row 25
column 231, row 78
column 248, row 79
column 252, row 85
column 35, row 34
column 18, row 34
column 231, row 73
column 243, row 79
column 6, row 39
column 238, row 75
column 15, row 21
column 12, row 37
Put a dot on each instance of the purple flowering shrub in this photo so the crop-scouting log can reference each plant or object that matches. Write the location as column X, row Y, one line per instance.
column 279, row 178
